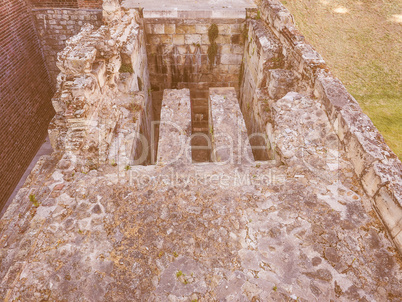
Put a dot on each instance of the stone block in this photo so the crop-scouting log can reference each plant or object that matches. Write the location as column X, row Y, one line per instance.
column 224, row 29
column 388, row 203
column 223, row 39
column 204, row 39
column 185, row 29
column 379, row 174
column 398, row 242
column 192, row 39
column 238, row 49
column 178, row 39
column 166, row 39
column 331, row 92
column 234, row 69
column 231, row 59
column 170, row 28
column 148, row 28
column 229, row 14
column 280, row 83
column 154, row 39
column 158, row 29
column 201, row 28
column 236, row 28
column 226, row 49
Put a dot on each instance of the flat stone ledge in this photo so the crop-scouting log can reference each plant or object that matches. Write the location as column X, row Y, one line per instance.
column 186, row 9
column 175, row 127
column 230, row 141
column 194, row 14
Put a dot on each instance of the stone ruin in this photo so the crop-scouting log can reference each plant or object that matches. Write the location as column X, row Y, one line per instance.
column 204, row 154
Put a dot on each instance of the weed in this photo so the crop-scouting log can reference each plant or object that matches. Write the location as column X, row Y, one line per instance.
column 179, row 273
column 135, row 107
column 212, row 52
column 127, row 168
column 113, row 163
column 274, row 288
column 126, row 68
column 34, row 201
column 213, row 33
column 245, row 32
column 175, row 254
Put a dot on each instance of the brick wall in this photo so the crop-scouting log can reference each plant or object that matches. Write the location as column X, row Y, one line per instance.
column 55, row 3
column 67, row 3
column 56, row 25
column 25, row 93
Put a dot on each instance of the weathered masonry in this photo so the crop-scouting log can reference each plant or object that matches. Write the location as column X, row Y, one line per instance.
column 202, row 152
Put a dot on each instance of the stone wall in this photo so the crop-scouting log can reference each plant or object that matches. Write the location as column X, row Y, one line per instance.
column 262, row 57
column 56, row 25
column 25, row 94
column 103, row 87
column 178, row 53
column 377, row 167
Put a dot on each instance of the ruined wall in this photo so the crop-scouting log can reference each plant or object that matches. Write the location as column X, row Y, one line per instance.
column 55, row 25
column 262, row 57
column 303, row 70
column 103, row 87
column 25, row 94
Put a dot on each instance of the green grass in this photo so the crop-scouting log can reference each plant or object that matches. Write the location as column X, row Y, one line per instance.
column 361, row 42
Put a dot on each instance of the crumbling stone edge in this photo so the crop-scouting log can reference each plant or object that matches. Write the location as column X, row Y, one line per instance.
column 378, row 168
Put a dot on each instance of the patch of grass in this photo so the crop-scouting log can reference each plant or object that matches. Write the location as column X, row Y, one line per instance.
column 362, row 48
column 34, row 201
column 179, row 273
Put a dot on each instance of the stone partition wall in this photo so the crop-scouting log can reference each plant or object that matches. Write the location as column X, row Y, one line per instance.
column 56, row 25
column 178, row 46
column 262, row 56
column 25, row 93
